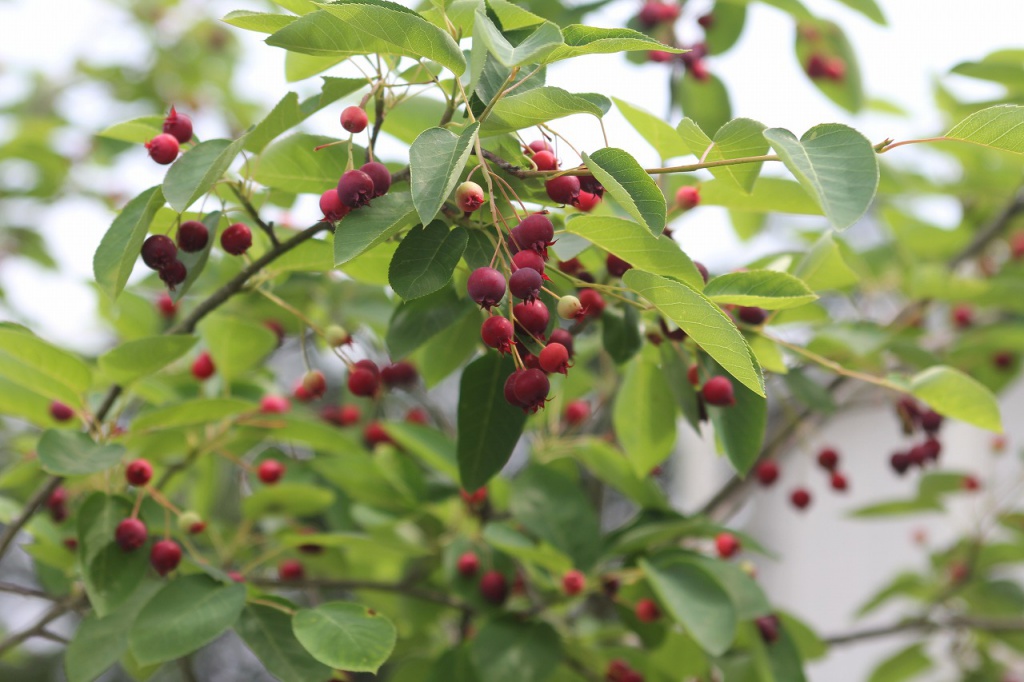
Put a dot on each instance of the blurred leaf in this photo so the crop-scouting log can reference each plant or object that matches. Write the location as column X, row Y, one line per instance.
column 644, row 415
column 654, row 129
column 488, row 427
column 120, row 247
column 695, row 599
column 287, row 499
column 552, row 507
column 268, row 634
column 507, row 650
column 905, row 665
column 762, row 288
column 706, row 102
column 953, row 394
column 136, row 359
column 261, row 22
column 345, row 635
column 236, row 344
column 72, row 453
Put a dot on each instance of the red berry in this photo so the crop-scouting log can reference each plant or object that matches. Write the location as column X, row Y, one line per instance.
column 800, row 498
column 554, row 358
column 839, row 482
column 535, row 233
column 363, row 383
column 475, row 499
column 277, row 328
column 290, row 569
column 525, row 284
column 355, row 189
column 166, row 305
column 270, row 471
column 236, row 239
column 354, row 119
column 138, row 472
column 971, row 483
column 192, row 236
column 573, row 582
column 931, row 448
column 702, row 270
column 179, row 126
column 718, row 391
column 963, row 316
column 202, row 367
column 616, row 266
column 163, row 148
column 374, row 435
column 165, row 556
column 540, row 146
column 564, row 189
column 58, row 498
column 497, row 332
column 469, row 196
column 1003, row 359
column 591, row 185
column 401, row 373
column 900, row 462
column 752, row 315
column 693, row 375
column 331, row 206
column 768, row 628
column 687, row 197
column 274, row 404
column 647, row 611
column 1017, row 246
column 592, row 302
column 71, row 543
column 656, row 12
column 727, row 545
column 468, row 564
column 301, row 394
column 545, row 161
column 486, row 286
column 931, row 421
column 60, row 412
column 315, row 383
column 532, row 317
column 587, row 201
column 767, row 472
column 577, row 412
column 158, row 251
column 380, row 175
column 835, row 69
column 828, row 459
column 494, row 587
column 130, row 534
column 573, row 266
column 817, row 66
column 529, row 259
column 563, row 337
column 236, row 576
column 659, row 56
column 417, row 415
column 173, row 274
column 531, row 389
column 706, row 21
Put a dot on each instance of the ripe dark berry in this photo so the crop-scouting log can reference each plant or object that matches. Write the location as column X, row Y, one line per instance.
column 592, row 302
column 655, row 12
column 528, row 259
column 314, row 383
column 173, row 274
column 138, row 472
column 340, row 415
column 931, row 448
column 467, row 565
column 400, row 373
column 525, row 284
column 270, row 471
column 58, row 498
column 497, row 332
column 158, row 251
column 1003, row 359
column 564, row 189
column 163, row 148
column 573, row 582
column 768, row 628
column 726, row 544
column 587, row 202
column 192, row 236
column 203, row 367
column 828, row 459
column 706, row 21
column 274, row 404
column 767, row 472
column 532, row 317
column 917, row 456
column 554, row 358
column 469, row 196
column 354, row 119
column 563, row 337
column 616, row 266
column 290, row 569
column 486, row 286
column 971, row 483
column 718, row 391
column 900, row 462
column 60, row 412
column 839, row 482
column 647, row 611
column 545, row 161
column 591, row 185
column 535, row 232
column 363, row 383
column 752, row 315
column 165, row 556
column 931, row 421
column 130, row 534
column 702, row 270
column 800, row 498
column 374, row 435
column 494, row 587
column 236, row 239
column 166, row 305
column 178, row 125
column 531, row 389
column 355, row 188
column 687, row 197
column 380, row 175
column 331, row 206
column 577, row 412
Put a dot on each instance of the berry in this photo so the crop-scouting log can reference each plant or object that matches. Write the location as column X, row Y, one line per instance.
column 647, row 611
column 497, row 332
column 687, row 197
column 270, row 471
column 355, row 189
column 494, row 587
column 545, row 161
column 192, row 236
column 563, row 337
column 331, row 206
column 354, row 119
column 587, row 201
column 592, row 302
column 839, row 482
column 900, row 462
column 693, row 375
column 345, row 415
column 767, row 472
column 236, row 239
column 529, row 259
column 571, row 266
column 314, row 383
column 655, row 12
column 71, row 543
column 569, row 307
column 374, row 435
column 702, row 270
column 179, row 126
column 706, row 21
column 564, row 189
column 577, row 412
column 535, row 232
column 591, row 185
column 532, row 317
column 816, row 66
column 616, row 266
column 540, row 146
column 971, row 483
column 467, row 565
column 726, row 544
column 173, row 274
column 60, row 412
column 835, row 69
column 158, row 252
column 486, row 286
column 417, row 416
column 963, row 316
column 301, row 394
column 191, row 522
column 380, row 175
column 277, row 328
column 290, row 569
column 554, row 358
column 469, row 196
column 336, row 336
column 166, row 305
column 130, row 534
column 165, row 556
column 917, row 456
column 718, row 391
column 531, row 388
column 573, row 582
column 364, row 383
column 931, row 421
column 525, row 284
column 274, row 404
column 768, row 627
column 659, row 56
column 752, row 315
column 800, row 498
column 931, row 448
column 236, row 576
column 203, row 367
column 828, row 459
column 1003, row 360
column 163, row 148
column 1017, row 246
column 138, row 472
column 401, row 373
column 58, row 498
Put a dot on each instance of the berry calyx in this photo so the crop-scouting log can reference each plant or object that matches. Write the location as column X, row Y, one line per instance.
column 497, row 332
column 315, row 383
column 647, row 611
column 274, row 404
column 203, row 367
column 828, row 459
column 291, row 569
column 138, row 472
column 718, row 391
column 577, row 412
column 270, row 471
column 564, row 189
column 525, row 284
column 158, row 251
column 163, row 148
column 179, row 126
column 130, row 534
column 767, row 472
column 532, row 317
column 61, row 412
column 192, row 236
column 800, row 498
column 467, row 565
column 687, row 197
column 469, row 196
column 494, row 587
column 591, row 185
column 380, row 175
column 554, row 358
column 236, row 239
column 331, row 206
column 165, row 556
column 573, row 582
column 355, row 189
column 726, row 544
column 354, row 119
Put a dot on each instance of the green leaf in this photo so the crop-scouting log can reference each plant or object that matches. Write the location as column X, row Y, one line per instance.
column 696, row 600
column 287, row 499
column 868, row 8
column 289, row 112
column 441, row 355
column 665, row 140
column 189, row 613
column 414, row 322
column 998, row 127
column 143, row 357
column 291, row 164
column 261, row 22
column 268, row 634
column 27, row 360
column 644, row 415
column 824, row 266
column 726, row 27
column 119, row 249
column 899, row 508
column 96, row 522
column 508, row 650
column 637, row 246
column 505, row 539
column 630, row 185
column 770, row 195
column 620, row 333
column 541, row 105
column 426, row 259
column 352, row 27
column 827, row 39
column 739, row 428
column 706, row 102
column 737, row 139
column 431, row 446
column 703, row 321
column 345, row 636
column 236, row 344
column 436, row 160
column 488, row 427
column 553, row 507
column 73, row 453
column 583, row 40
column 298, row 67
column 533, row 48
column 953, row 394
column 905, row 665
column 611, row 467
column 191, row 413
column 196, row 171
column 112, row 577
column 835, row 164
column 368, row 226
column 136, row 131
column 762, row 288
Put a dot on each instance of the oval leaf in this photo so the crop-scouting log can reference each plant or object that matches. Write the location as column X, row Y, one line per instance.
column 541, row 105
column 827, row 39
column 292, row 164
column 737, row 139
column 415, row 322
column 287, row 499
column 345, row 636
column 27, row 360
column 763, row 288
column 582, row 40
column 268, row 634
column 426, row 259
column 654, row 129
column 488, row 427
column 436, row 160
column 112, row 577
column 142, row 357
column 368, row 226
column 506, row 650
column 953, row 394
column 696, row 600
column 533, row 48
column 998, row 127
column 119, row 249
column 197, row 170
column 705, row 101
column 644, row 415
column 72, row 453
column 630, row 185
column 237, row 345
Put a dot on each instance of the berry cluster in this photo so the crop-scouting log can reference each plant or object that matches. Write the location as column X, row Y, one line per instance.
column 164, row 148
column 356, row 187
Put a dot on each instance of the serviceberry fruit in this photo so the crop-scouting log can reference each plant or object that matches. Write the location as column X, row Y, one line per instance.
column 900, row 462
column 236, row 239
column 179, row 126
column 467, row 565
column 417, row 415
column 531, row 389
column 163, row 148
column 718, row 391
column 838, row 482
column 569, row 307
column 192, row 236
column 573, row 582
column 647, row 611
column 702, row 270
column 564, row 189
column 486, row 286
column 545, row 161
column 577, row 412
column 497, row 332
column 540, row 146
column 130, row 534
column 336, row 336
column 800, row 498
column 726, row 544
column 191, row 522
column 494, row 587
column 158, row 251
column 931, row 421
column 767, row 472
column 752, row 315
column 532, row 317
column 270, row 471
column 535, row 232
column 554, row 358
column 138, row 472
column 363, row 382
column 173, row 274
column 274, row 404
column 963, row 316
column 525, row 284
column 60, row 412
column 380, row 175
column 331, row 206
column 355, row 189
column 315, row 383
column 687, row 197
column 591, row 185
column 374, row 435
column 592, row 302
column 828, row 459
column 529, row 259
column 587, row 201
column 203, row 367
column 354, row 119
column 401, row 373
column 469, row 196
column 165, row 556
column 616, row 266
column 563, row 337
column 166, row 305
column 693, row 375
column 768, row 628
column 291, row 569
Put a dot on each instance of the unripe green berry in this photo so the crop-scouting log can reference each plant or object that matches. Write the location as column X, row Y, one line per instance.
column 336, row 335
column 190, row 522
column 569, row 307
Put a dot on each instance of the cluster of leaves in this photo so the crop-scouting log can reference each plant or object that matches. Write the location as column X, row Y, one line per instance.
column 370, row 504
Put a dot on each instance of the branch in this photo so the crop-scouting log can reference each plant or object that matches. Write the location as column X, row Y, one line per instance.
column 990, row 232
column 372, row 585
column 253, row 213
column 40, row 628
column 951, row 623
column 11, row 588
column 38, row 497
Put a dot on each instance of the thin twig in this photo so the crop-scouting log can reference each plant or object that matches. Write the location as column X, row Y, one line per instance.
column 37, row 630
column 254, row 214
column 38, row 497
column 11, row 588
column 951, row 623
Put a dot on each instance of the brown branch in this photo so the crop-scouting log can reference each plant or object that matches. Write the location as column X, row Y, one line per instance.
column 371, row 585
column 40, row 628
column 38, row 497
column 11, row 588
column 952, row 623
column 990, row 232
